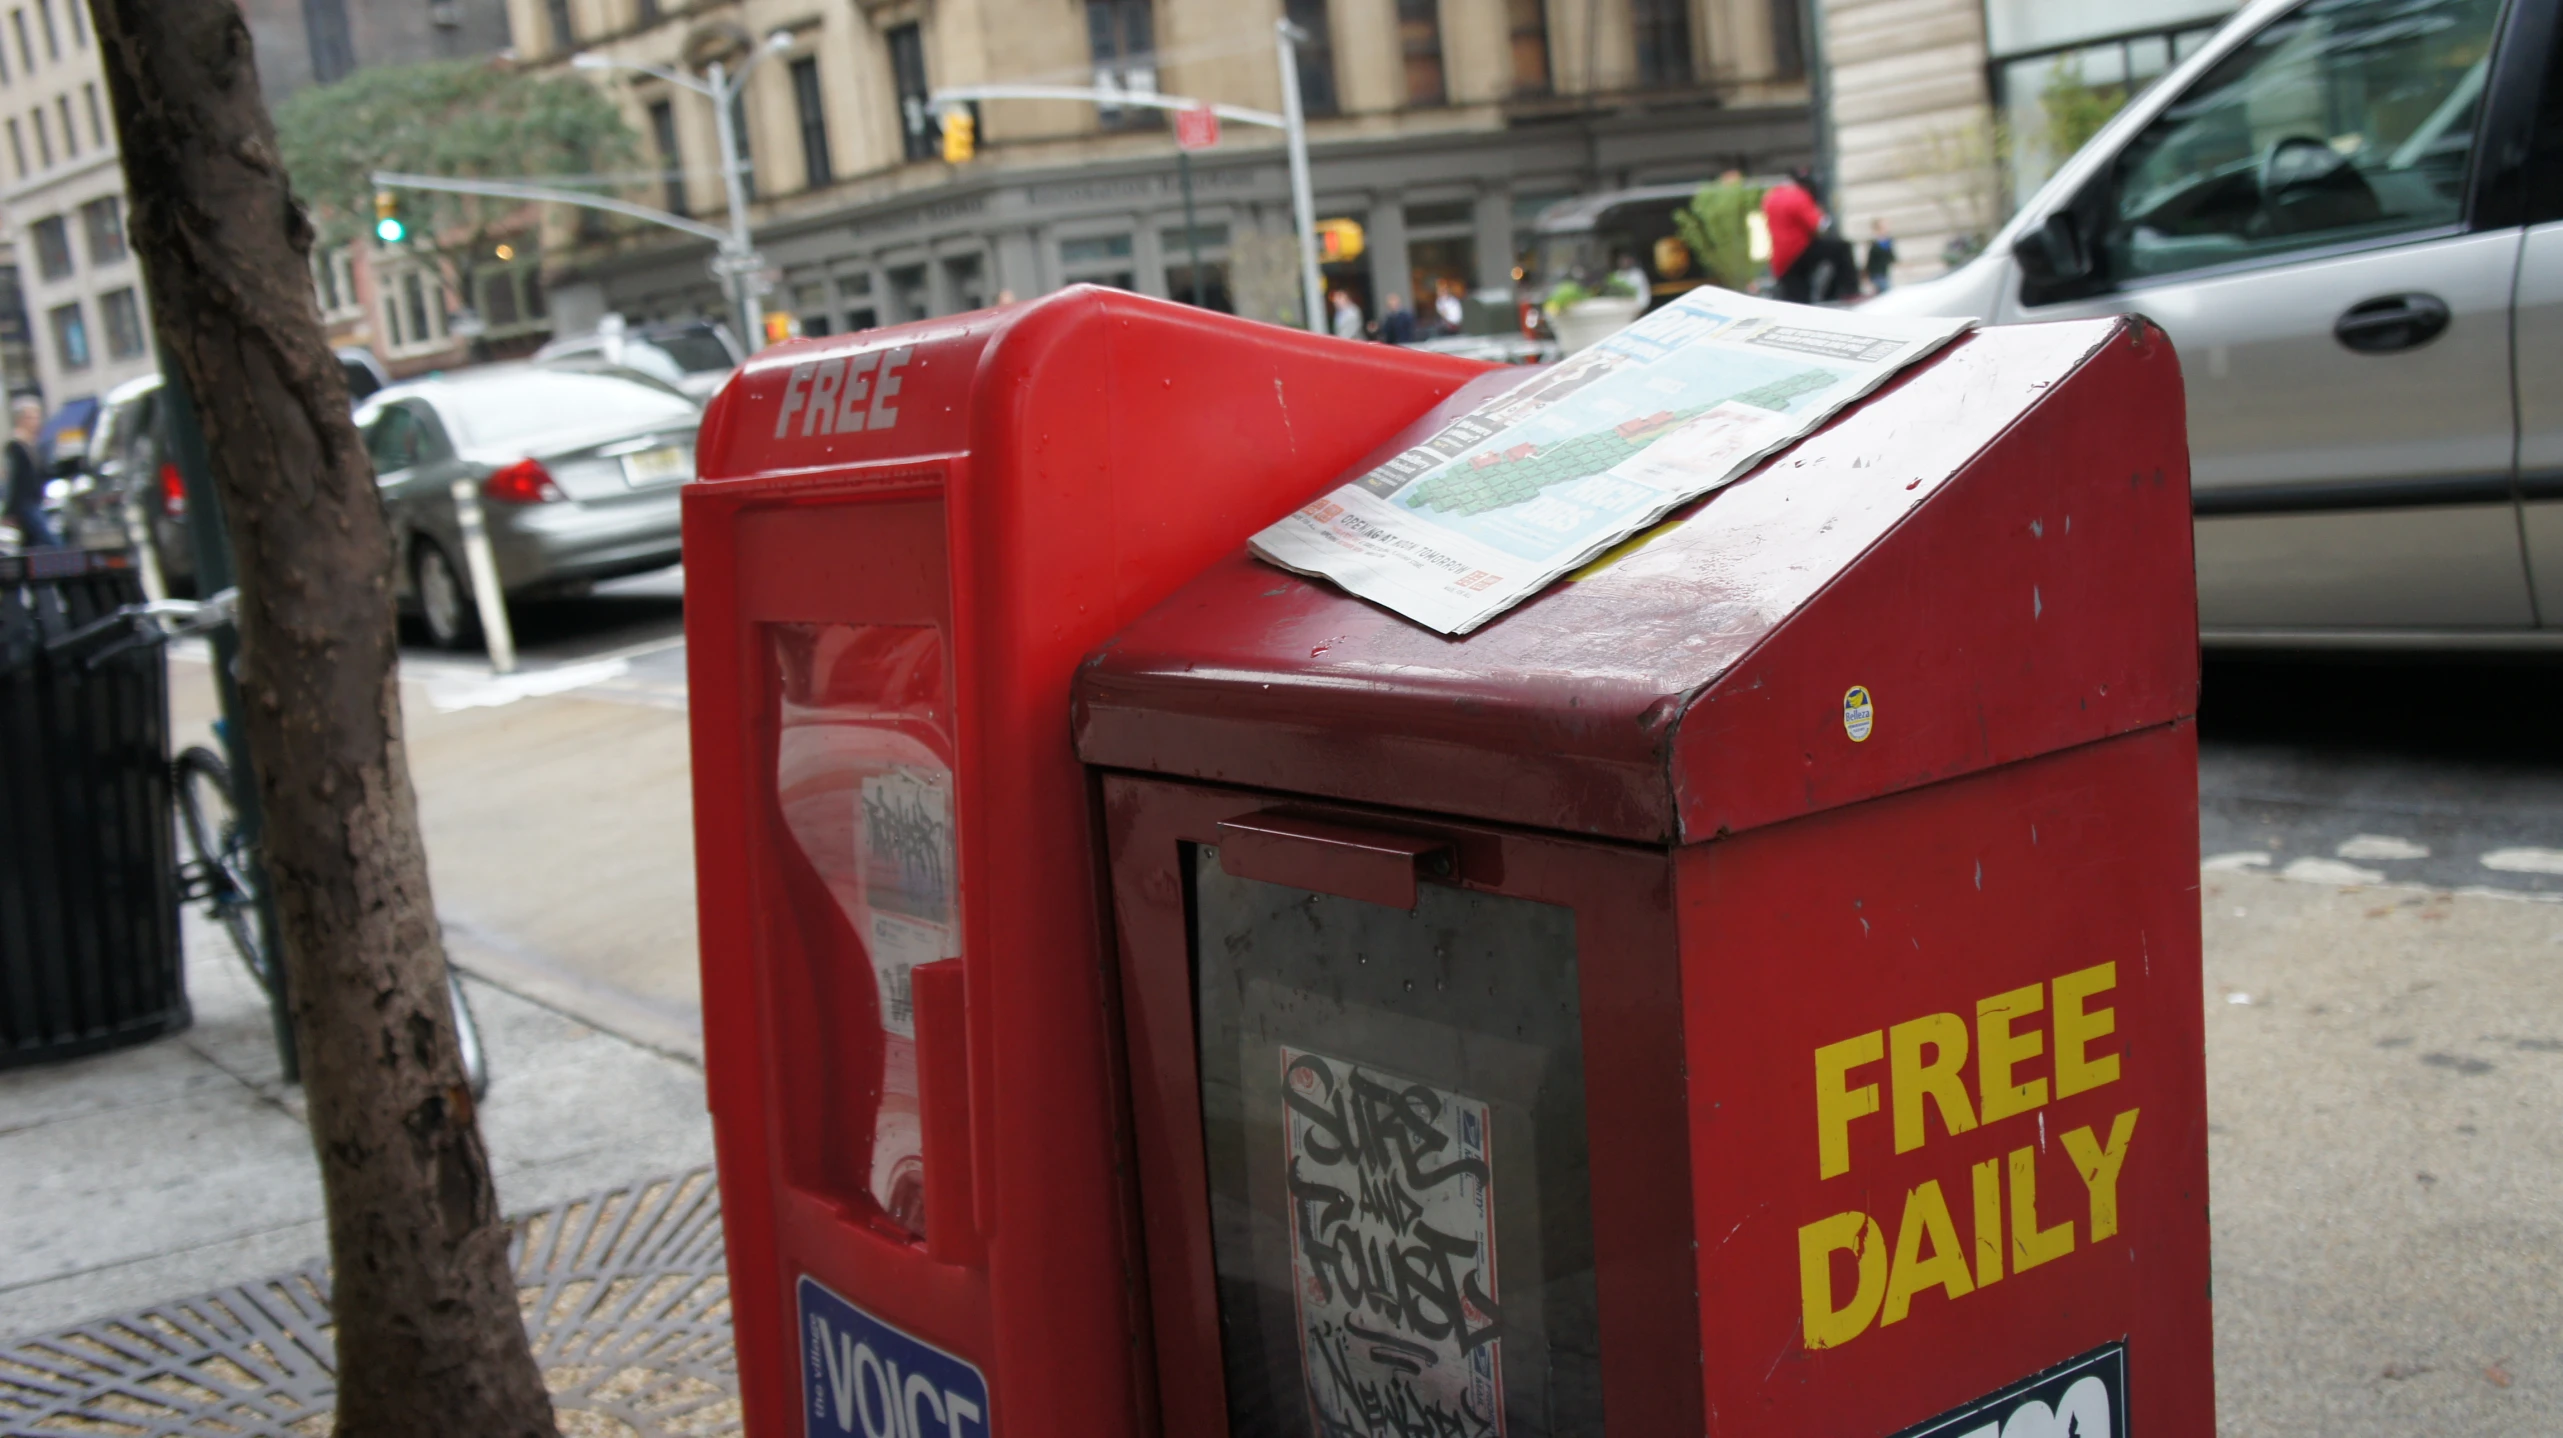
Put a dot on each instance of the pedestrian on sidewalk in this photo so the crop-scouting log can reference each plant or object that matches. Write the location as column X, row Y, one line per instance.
column 1881, row 262
column 1348, row 317
column 1396, row 321
column 1811, row 262
column 25, row 503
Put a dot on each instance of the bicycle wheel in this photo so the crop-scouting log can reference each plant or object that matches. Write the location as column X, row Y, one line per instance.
column 218, row 867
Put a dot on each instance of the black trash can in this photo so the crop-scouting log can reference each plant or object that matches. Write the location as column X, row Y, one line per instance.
column 89, row 955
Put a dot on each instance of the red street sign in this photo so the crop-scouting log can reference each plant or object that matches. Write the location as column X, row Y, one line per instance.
column 1197, row 128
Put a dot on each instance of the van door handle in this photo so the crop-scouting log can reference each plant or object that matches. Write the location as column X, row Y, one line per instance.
column 2392, row 322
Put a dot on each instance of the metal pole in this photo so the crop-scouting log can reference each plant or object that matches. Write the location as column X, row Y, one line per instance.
column 214, row 573
column 1303, row 203
column 737, row 250
column 482, row 561
column 1192, row 230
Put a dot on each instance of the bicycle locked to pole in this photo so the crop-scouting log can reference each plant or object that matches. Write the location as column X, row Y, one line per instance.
column 218, row 864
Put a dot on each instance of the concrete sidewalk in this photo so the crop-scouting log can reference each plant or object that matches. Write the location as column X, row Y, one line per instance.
column 183, row 1164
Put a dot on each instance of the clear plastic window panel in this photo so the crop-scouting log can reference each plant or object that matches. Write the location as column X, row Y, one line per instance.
column 1393, row 1111
column 863, row 775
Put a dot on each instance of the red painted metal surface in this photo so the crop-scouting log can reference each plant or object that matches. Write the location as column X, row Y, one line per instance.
column 1631, row 1019
column 1868, row 917
column 900, row 545
column 1872, row 787
column 1377, row 866
column 1965, row 544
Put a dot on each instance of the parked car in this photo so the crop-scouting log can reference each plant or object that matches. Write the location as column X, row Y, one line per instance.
column 694, row 356
column 2348, row 216
column 126, row 450
column 577, row 476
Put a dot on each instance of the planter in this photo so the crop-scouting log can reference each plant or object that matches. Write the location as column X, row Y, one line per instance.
column 1588, row 322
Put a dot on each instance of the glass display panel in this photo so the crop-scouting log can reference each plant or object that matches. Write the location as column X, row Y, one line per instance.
column 865, row 785
column 1393, row 1114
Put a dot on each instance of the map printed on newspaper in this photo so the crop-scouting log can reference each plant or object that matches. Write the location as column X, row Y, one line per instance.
column 1536, row 481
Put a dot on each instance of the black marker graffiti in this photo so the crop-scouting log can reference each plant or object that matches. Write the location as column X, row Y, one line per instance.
column 1391, row 1215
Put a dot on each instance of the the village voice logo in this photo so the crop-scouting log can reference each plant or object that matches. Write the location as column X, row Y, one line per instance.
column 860, row 1375
column 2083, row 1397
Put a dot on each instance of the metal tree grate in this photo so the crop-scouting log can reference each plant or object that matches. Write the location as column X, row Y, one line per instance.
column 625, row 1296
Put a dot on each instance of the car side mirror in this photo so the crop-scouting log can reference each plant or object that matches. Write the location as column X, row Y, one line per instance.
column 2054, row 253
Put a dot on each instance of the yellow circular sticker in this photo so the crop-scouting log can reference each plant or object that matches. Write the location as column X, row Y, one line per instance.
column 1858, row 713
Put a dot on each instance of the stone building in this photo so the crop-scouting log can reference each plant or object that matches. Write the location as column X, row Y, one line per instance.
column 1941, row 111
column 1440, row 127
column 63, row 202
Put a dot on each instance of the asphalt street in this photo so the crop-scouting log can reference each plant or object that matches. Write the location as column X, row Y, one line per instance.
column 2437, row 772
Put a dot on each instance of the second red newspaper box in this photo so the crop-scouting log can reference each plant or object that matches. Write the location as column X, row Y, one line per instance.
column 901, row 545
column 1750, row 988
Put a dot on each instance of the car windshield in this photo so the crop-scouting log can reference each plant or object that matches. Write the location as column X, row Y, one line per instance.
column 699, row 351
column 528, row 404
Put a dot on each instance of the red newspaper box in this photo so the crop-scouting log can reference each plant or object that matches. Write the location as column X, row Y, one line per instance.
column 901, row 544
column 1777, row 944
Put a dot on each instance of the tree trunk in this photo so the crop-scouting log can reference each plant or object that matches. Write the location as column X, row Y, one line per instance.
column 429, row 1338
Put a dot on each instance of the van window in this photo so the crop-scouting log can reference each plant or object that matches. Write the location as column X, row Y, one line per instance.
column 2343, row 120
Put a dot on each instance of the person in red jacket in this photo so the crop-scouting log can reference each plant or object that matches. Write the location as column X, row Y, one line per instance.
column 1810, row 261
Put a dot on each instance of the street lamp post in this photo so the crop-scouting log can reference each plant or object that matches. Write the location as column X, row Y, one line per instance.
column 1302, row 202
column 737, row 263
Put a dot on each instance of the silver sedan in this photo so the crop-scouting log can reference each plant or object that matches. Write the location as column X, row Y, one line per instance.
column 576, row 475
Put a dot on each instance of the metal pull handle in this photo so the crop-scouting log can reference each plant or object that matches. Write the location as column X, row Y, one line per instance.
column 943, row 1112
column 2392, row 322
column 1331, row 857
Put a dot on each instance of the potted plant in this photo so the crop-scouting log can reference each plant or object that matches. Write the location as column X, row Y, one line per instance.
column 1583, row 315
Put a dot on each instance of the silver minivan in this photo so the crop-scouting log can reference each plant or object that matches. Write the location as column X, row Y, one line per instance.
column 2348, row 216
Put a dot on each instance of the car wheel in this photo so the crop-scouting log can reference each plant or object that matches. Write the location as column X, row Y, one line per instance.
column 442, row 600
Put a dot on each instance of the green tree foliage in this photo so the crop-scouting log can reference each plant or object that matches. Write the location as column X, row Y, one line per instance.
column 1713, row 225
column 464, row 119
column 2074, row 108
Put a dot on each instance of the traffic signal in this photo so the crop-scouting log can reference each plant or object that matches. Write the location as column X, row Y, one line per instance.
column 960, row 137
column 388, row 225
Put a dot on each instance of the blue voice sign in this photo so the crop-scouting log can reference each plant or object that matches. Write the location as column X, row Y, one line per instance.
column 860, row 1375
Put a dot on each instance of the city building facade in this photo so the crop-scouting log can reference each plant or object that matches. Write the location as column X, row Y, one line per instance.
column 1944, row 115
column 1438, row 129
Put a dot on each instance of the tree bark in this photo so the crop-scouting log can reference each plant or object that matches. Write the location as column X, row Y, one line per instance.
column 429, row 1338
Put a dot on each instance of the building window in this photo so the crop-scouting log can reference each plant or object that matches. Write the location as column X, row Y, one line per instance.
column 1122, row 34
column 333, row 50
column 920, row 133
column 965, row 283
column 18, row 148
column 671, row 159
column 500, row 308
column 333, row 279
column 564, row 29
column 855, row 292
column 815, row 167
column 44, row 140
column 52, row 37
column 70, row 132
column 1527, row 21
column 1098, row 260
column 1788, row 38
column 414, row 294
column 104, row 220
column 97, row 117
column 26, row 49
column 645, row 12
column 1419, row 40
column 1663, row 41
column 70, row 336
column 1316, row 56
column 53, row 247
column 123, row 315
column 741, row 144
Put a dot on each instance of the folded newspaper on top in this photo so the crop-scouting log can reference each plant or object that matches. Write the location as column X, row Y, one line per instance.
column 1484, row 512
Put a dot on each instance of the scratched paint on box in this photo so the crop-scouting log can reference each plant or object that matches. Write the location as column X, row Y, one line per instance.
column 1392, row 1252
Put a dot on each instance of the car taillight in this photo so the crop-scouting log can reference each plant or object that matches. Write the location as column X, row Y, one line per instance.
column 173, row 491
column 524, row 482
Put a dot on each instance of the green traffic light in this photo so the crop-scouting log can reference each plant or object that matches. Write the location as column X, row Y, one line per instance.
column 390, row 230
